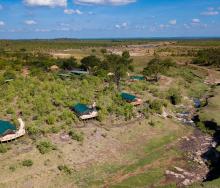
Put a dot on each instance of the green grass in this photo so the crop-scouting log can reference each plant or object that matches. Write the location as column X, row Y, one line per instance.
column 141, row 180
column 62, row 44
column 205, row 43
column 212, row 111
column 153, row 151
column 211, row 184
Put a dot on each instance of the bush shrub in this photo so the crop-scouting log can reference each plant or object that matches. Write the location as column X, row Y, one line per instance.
column 65, row 169
column 76, row 136
column 156, row 106
column 9, row 75
column 27, row 163
column 45, row 146
column 174, row 96
column 51, row 119
column 12, row 168
column 33, row 130
column 3, row 148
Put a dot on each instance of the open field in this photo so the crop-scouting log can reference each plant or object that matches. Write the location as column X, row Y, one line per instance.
column 132, row 149
column 212, row 111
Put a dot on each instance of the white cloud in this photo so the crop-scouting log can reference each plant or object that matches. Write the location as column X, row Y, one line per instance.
column 195, row 20
column 210, row 9
column 172, row 22
column 48, row 3
column 117, row 26
column 91, row 13
column 64, row 24
column 210, row 13
column 30, row 22
column 15, row 30
column 63, row 29
column 71, row 11
column 186, row 26
column 152, row 29
column 2, row 23
column 123, row 25
column 42, row 30
column 163, row 26
column 104, row 2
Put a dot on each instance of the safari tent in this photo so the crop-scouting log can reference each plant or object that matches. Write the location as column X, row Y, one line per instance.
column 134, row 100
column 79, row 72
column 137, row 78
column 85, row 112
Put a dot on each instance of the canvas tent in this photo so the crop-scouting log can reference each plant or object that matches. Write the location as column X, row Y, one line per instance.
column 84, row 111
column 131, row 99
column 137, row 78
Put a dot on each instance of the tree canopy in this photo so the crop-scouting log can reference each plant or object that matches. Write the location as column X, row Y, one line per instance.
column 119, row 65
column 208, row 57
column 90, row 63
column 156, row 67
column 69, row 64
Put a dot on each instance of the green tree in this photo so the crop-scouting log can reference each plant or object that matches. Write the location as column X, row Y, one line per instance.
column 91, row 63
column 208, row 57
column 69, row 64
column 103, row 51
column 119, row 65
column 156, row 67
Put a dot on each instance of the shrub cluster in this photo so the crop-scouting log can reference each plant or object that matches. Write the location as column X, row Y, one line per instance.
column 45, row 146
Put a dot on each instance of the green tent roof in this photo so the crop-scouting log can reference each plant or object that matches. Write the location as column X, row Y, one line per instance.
column 137, row 77
column 79, row 72
column 128, row 97
column 81, row 108
column 6, row 126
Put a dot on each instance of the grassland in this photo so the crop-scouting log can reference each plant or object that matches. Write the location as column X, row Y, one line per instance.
column 125, row 155
column 211, row 113
column 200, row 43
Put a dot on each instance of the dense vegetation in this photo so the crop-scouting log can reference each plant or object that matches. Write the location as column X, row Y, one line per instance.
column 208, row 57
column 156, row 67
column 62, row 44
column 201, row 42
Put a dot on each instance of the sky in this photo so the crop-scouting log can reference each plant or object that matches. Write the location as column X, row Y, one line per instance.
column 42, row 19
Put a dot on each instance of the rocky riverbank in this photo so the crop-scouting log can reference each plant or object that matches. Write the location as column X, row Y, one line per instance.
column 200, row 149
column 193, row 147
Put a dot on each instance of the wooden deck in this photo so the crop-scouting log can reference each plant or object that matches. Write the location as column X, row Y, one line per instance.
column 91, row 115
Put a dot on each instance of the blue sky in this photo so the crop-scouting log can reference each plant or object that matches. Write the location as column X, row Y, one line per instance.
column 21, row 19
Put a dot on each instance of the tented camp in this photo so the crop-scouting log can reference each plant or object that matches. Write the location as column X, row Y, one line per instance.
column 79, row 72
column 9, row 132
column 131, row 99
column 85, row 112
column 137, row 78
